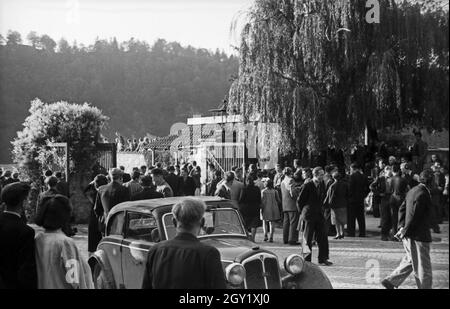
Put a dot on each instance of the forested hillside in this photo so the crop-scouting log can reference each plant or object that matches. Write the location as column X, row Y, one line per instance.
column 142, row 88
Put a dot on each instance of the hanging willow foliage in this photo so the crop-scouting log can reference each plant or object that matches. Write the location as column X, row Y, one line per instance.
column 320, row 71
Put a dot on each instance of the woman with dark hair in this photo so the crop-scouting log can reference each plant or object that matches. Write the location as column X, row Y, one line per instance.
column 58, row 261
column 338, row 199
column 94, row 234
column 250, row 205
column 270, row 211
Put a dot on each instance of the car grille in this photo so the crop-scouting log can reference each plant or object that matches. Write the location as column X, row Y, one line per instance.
column 262, row 272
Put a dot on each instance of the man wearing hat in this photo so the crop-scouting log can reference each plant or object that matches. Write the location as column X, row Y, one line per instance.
column 17, row 254
column 111, row 194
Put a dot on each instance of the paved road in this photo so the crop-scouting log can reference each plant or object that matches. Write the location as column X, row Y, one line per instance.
column 359, row 263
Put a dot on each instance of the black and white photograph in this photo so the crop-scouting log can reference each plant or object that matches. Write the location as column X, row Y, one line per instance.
column 224, row 149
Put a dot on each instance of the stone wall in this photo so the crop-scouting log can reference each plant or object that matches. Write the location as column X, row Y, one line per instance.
column 81, row 206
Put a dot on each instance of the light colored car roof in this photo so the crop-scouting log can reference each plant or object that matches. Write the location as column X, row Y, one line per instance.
column 150, row 205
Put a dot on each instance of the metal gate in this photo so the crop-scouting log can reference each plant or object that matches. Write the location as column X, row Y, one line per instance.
column 225, row 156
column 107, row 155
column 59, row 161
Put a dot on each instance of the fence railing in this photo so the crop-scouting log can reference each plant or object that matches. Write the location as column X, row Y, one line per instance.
column 225, row 155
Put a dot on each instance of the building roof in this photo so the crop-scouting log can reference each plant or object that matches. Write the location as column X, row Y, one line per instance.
column 162, row 142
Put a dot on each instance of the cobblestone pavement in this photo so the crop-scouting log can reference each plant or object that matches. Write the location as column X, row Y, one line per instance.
column 356, row 260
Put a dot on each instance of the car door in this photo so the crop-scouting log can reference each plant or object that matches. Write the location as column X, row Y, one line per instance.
column 139, row 230
column 111, row 245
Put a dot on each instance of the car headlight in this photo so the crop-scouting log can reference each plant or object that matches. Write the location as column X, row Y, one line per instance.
column 294, row 264
column 235, row 273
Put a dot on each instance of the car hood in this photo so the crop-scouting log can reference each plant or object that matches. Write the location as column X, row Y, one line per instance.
column 233, row 249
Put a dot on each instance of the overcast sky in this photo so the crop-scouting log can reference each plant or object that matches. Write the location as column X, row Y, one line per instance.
column 200, row 23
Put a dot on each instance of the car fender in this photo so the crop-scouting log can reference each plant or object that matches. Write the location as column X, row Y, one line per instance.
column 100, row 257
column 312, row 277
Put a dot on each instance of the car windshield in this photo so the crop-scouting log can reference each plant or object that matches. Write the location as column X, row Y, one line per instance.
column 217, row 222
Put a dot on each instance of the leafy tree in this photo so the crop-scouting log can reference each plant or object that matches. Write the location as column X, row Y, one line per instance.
column 323, row 73
column 63, row 46
column 47, row 43
column 77, row 125
column 13, row 38
column 143, row 88
column 2, row 40
column 33, row 38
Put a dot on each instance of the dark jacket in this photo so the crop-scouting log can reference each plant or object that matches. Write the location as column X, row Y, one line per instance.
column 63, row 188
column 358, row 187
column 183, row 263
column 147, row 193
column 17, row 253
column 109, row 196
column 337, row 195
column 250, row 203
column 410, row 181
column 310, row 201
column 187, row 187
column 415, row 214
column 212, row 186
column 174, row 182
column 399, row 186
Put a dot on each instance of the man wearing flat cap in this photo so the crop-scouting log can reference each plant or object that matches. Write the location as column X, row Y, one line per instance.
column 111, row 194
column 17, row 253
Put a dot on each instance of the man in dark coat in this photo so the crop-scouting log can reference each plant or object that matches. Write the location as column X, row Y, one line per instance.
column 310, row 202
column 358, row 189
column 51, row 182
column 148, row 190
column 111, row 194
column 125, row 176
column 328, row 181
column 173, row 180
column 406, row 169
column 184, row 262
column 62, row 185
column 17, row 254
column 399, row 190
column 414, row 230
column 187, row 184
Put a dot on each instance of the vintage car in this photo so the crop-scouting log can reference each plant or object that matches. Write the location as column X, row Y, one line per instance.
column 132, row 228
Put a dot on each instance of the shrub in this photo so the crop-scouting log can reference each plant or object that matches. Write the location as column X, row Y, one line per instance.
column 79, row 125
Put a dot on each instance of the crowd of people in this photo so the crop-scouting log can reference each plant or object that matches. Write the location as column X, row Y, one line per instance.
column 308, row 204
column 132, row 144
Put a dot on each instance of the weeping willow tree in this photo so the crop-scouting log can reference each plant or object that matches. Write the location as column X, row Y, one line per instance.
column 323, row 73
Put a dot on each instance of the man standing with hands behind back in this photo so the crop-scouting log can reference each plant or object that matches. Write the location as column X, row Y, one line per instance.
column 184, row 262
